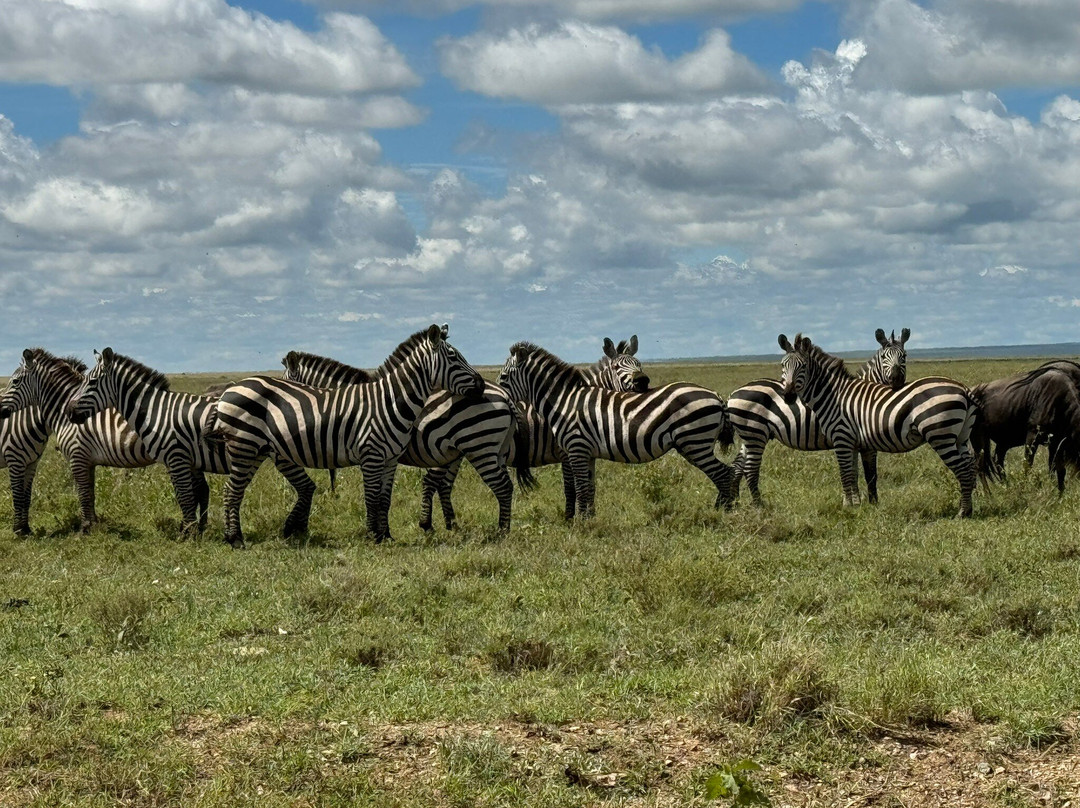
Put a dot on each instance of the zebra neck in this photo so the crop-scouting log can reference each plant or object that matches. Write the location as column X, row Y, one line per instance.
column 824, row 389
column 138, row 403
column 56, row 398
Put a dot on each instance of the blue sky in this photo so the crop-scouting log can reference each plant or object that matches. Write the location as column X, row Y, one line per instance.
column 207, row 185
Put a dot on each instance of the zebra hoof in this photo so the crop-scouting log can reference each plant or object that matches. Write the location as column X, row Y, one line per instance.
column 236, row 542
column 22, row 530
column 427, row 527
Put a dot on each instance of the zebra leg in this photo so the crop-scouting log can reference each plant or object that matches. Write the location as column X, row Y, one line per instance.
column 445, row 487
column 297, row 520
column 492, row 470
column 960, row 462
column 569, row 490
column 869, row 464
column 750, row 467
column 21, row 482
column 184, row 485
column 849, row 479
column 82, row 472
column 584, row 476
column 701, row 456
column 386, row 492
column 242, row 468
column 202, row 498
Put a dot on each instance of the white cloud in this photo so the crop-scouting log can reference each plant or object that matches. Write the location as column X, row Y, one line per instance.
column 584, row 9
column 574, row 63
column 68, row 42
column 952, row 45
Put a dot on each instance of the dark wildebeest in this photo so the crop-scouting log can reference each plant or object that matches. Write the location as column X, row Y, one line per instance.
column 1028, row 409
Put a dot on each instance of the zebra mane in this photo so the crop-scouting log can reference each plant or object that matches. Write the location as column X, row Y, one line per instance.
column 350, row 373
column 567, row 373
column 400, row 354
column 814, row 353
column 70, row 367
column 142, row 373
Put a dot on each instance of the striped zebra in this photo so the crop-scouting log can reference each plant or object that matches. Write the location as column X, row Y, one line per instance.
column 360, row 424
column 534, row 443
column 449, row 429
column 618, row 368
column 170, row 426
column 758, row 413
column 856, row 413
column 33, row 406
column 590, row 422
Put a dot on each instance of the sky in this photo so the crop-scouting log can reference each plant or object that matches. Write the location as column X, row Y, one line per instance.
column 207, row 185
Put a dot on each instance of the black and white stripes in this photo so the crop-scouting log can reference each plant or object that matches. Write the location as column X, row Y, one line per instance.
column 591, row 423
column 859, row 414
column 360, row 424
column 758, row 413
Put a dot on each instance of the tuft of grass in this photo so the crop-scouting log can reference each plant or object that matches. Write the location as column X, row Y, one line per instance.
column 123, row 618
column 518, row 655
column 780, row 687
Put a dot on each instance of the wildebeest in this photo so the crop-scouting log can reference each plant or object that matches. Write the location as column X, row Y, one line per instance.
column 1029, row 409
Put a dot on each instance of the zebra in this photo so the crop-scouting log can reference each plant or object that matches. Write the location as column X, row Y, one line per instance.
column 448, row 429
column 359, row 424
column 33, row 406
column 619, row 368
column 170, row 425
column 856, row 413
column 590, row 422
column 534, row 443
column 758, row 413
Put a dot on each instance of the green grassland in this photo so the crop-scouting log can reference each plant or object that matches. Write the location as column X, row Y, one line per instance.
column 612, row 662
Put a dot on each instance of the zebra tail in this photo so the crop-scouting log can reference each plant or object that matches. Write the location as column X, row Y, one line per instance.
column 726, row 436
column 522, row 450
column 210, row 433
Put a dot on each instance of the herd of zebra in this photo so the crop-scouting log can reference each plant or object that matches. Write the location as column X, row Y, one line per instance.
column 426, row 407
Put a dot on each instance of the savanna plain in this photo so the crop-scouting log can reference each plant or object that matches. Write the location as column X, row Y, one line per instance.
column 887, row 655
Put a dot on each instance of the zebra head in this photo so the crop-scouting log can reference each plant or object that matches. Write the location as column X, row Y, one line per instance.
column 794, row 367
column 511, row 378
column 620, row 369
column 448, row 369
column 99, row 390
column 889, row 365
column 24, row 387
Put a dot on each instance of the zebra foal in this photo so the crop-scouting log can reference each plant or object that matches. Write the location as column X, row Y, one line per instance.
column 450, row 428
column 758, row 413
column 857, row 414
column 359, row 424
column 34, row 405
column 590, row 422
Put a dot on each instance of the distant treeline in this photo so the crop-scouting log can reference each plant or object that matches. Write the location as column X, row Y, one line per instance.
column 1055, row 349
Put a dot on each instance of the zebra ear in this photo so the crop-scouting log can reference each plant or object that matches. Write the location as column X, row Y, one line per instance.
column 632, row 347
column 879, row 335
column 289, row 360
column 785, row 343
column 445, row 330
column 28, row 357
column 609, row 348
column 434, row 333
column 802, row 343
column 107, row 357
column 904, row 334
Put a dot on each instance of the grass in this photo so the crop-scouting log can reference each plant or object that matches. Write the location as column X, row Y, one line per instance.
column 612, row 662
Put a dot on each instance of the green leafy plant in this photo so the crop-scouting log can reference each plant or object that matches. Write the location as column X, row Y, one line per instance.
column 733, row 782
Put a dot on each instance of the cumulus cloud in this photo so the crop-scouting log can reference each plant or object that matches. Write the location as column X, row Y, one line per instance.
column 583, row 9
column 574, row 63
column 951, row 45
column 79, row 42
